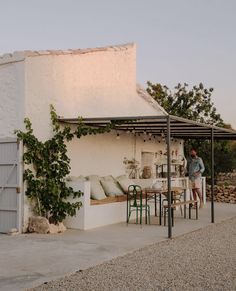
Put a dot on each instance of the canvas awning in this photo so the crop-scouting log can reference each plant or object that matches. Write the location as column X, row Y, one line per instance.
column 171, row 127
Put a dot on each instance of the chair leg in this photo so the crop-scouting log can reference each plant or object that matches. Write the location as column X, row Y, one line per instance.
column 196, row 210
column 128, row 218
column 162, row 207
column 141, row 215
column 181, row 210
column 149, row 216
column 136, row 215
column 164, row 216
column 172, row 216
column 190, row 208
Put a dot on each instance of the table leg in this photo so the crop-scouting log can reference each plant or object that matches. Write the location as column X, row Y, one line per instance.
column 160, row 210
column 185, row 204
column 146, row 208
column 172, row 209
column 155, row 199
column 141, row 207
column 172, row 215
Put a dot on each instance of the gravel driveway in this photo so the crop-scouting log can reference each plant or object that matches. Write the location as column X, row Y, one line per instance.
column 201, row 260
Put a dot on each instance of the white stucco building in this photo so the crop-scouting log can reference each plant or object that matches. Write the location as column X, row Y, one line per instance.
column 98, row 82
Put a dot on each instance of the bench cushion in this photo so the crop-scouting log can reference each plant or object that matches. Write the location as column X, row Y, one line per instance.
column 97, row 191
column 124, row 182
column 111, row 188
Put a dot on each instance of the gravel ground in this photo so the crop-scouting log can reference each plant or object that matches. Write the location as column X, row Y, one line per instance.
column 201, row 260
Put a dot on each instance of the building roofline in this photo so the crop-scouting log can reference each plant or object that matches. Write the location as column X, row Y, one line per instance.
column 19, row 56
column 149, row 99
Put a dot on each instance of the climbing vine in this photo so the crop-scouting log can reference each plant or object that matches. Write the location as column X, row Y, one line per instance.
column 48, row 166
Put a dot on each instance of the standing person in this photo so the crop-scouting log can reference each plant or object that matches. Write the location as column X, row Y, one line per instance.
column 195, row 169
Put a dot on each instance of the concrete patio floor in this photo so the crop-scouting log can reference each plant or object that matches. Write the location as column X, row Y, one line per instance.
column 28, row 260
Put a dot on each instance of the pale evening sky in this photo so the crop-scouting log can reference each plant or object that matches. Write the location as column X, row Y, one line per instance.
column 177, row 41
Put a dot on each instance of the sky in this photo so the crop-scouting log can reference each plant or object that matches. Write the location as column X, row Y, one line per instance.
column 177, row 40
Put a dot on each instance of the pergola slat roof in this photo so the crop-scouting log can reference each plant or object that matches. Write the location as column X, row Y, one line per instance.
column 157, row 125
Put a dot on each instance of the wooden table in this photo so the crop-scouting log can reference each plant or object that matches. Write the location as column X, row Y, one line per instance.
column 154, row 192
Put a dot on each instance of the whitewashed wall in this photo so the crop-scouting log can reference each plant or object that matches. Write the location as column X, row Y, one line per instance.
column 94, row 84
column 104, row 154
column 11, row 98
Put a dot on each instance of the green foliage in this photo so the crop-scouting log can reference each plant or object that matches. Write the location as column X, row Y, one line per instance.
column 195, row 104
column 48, row 165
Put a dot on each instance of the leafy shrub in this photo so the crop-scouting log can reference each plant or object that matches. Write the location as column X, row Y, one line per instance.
column 48, row 165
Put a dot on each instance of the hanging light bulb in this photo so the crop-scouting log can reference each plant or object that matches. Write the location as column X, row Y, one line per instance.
column 117, row 136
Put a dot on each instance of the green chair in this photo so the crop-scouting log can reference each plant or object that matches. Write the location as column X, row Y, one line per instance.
column 135, row 203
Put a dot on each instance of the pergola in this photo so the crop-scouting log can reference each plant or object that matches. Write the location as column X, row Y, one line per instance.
column 171, row 127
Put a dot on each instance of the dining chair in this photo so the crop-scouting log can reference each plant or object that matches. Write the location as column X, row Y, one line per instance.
column 135, row 203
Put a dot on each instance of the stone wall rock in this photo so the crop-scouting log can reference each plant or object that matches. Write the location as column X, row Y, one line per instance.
column 226, row 179
column 222, row 193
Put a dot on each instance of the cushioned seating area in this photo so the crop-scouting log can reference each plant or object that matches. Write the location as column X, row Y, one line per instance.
column 105, row 187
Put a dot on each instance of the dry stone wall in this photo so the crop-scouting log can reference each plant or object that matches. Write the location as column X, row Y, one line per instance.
column 225, row 190
column 226, row 179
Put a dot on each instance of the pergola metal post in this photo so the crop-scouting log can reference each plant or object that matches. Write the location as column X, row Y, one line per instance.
column 212, row 176
column 169, row 177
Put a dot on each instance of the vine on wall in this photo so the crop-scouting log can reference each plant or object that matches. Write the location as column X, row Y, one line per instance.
column 49, row 165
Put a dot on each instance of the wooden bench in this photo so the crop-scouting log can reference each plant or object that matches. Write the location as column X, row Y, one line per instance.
column 109, row 200
column 190, row 203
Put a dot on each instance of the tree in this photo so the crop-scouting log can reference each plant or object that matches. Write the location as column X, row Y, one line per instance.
column 195, row 104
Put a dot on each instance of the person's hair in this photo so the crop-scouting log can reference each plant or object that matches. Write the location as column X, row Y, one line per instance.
column 193, row 149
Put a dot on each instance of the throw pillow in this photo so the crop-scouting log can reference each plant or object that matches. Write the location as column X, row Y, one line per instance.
column 97, row 192
column 124, row 182
column 111, row 188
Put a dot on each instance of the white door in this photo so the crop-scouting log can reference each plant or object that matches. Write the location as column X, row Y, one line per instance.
column 10, row 185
